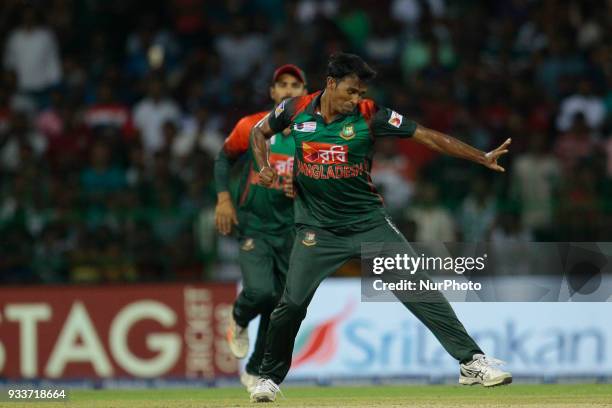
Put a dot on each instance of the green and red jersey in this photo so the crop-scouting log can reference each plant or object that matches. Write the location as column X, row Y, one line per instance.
column 333, row 160
column 261, row 210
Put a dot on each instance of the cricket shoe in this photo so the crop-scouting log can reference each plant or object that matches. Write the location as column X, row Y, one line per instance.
column 238, row 339
column 265, row 391
column 249, row 381
column 483, row 370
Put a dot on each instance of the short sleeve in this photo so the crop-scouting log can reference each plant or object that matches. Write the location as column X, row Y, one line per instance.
column 282, row 115
column 387, row 122
column 237, row 143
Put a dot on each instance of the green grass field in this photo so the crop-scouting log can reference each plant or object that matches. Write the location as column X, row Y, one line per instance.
column 557, row 396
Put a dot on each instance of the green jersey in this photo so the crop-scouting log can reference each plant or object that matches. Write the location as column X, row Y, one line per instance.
column 333, row 161
column 261, row 211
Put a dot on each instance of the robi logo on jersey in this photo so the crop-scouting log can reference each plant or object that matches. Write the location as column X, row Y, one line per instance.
column 324, row 153
column 282, row 163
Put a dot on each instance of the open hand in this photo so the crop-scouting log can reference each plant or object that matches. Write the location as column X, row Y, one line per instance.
column 490, row 159
column 225, row 216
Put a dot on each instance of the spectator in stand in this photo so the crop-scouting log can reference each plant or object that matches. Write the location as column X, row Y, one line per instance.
column 508, row 242
column 19, row 139
column 149, row 49
column 536, row 179
column 17, row 101
column 101, row 183
column 575, row 144
column 67, row 137
column 580, row 212
column 151, row 113
column 33, row 53
column 433, row 222
column 419, row 53
column 383, row 45
column 585, row 102
column 559, row 62
column 508, row 228
column 478, row 211
column 170, row 133
column 50, row 258
column 49, row 121
column 240, row 48
column 200, row 132
column 410, row 12
column 15, row 255
column 108, row 114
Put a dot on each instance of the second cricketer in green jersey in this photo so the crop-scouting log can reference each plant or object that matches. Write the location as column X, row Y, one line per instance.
column 263, row 220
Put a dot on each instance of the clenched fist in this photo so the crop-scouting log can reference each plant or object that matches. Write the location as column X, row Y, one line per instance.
column 267, row 176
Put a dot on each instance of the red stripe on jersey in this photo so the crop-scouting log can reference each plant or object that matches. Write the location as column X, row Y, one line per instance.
column 253, row 178
column 368, row 109
column 302, row 102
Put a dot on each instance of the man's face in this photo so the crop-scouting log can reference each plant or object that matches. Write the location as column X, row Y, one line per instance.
column 286, row 86
column 346, row 93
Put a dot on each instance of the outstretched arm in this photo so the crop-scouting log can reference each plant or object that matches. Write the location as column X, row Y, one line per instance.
column 387, row 122
column 446, row 144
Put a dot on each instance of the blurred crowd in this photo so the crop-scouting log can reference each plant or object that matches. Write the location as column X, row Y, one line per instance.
column 112, row 111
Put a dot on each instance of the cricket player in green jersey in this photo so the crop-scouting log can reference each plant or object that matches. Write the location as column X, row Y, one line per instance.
column 264, row 221
column 337, row 208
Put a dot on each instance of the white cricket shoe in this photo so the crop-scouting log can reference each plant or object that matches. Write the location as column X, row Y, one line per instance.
column 249, row 381
column 238, row 339
column 265, row 391
column 483, row 370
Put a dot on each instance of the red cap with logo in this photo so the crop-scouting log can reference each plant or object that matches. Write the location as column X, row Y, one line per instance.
column 291, row 70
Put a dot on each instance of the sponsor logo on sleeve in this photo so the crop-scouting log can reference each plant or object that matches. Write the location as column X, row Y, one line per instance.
column 396, row 119
column 305, row 127
column 279, row 109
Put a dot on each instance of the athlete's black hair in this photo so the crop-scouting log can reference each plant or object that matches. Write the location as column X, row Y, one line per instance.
column 342, row 64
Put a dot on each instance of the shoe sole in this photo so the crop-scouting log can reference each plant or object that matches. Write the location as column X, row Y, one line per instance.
column 262, row 398
column 474, row 381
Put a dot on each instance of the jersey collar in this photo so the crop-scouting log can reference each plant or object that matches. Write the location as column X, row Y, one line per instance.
column 311, row 109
